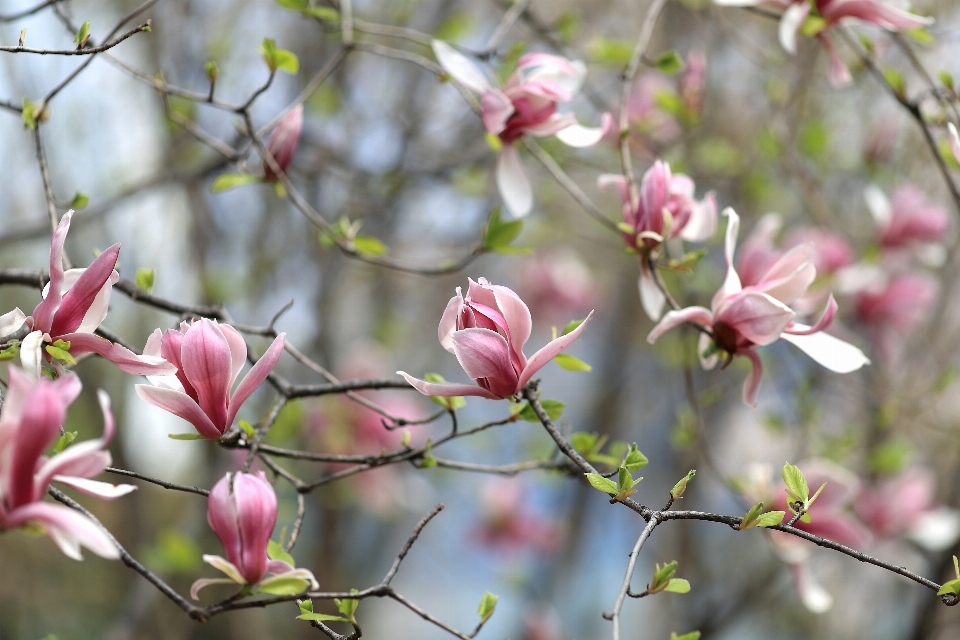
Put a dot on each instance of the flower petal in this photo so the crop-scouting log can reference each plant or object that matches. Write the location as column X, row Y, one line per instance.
column 954, row 141
column 448, row 321
column 460, row 68
column 180, row 405
column 496, row 109
column 517, row 316
column 69, row 529
column 96, row 488
column 126, row 360
column 731, row 283
column 549, row 352
column 11, row 322
column 512, row 181
column 31, row 354
column 238, row 351
column 221, row 564
column 44, row 312
column 206, row 582
column 832, row 353
column 208, row 366
column 257, row 374
column 651, row 297
column 697, row 315
column 751, row 386
column 702, row 223
column 485, row 354
column 447, row 389
column 790, row 22
column 756, row 316
column 78, row 300
column 580, row 136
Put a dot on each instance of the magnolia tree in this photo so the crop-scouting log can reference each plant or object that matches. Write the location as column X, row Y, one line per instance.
column 290, row 464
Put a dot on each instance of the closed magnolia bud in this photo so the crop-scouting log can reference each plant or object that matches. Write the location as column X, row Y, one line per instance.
column 242, row 513
column 283, row 141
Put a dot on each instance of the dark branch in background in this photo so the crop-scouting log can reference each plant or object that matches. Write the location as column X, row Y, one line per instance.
column 11, row 17
column 162, row 483
column 79, row 52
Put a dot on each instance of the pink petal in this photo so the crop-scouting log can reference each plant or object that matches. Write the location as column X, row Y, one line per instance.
column 78, row 300
column 257, row 374
column 256, row 515
column 103, row 490
column 206, row 582
column 447, row 389
column 208, row 364
column 31, row 354
column 460, row 68
column 756, row 316
column 180, row 405
column 790, row 276
column 654, row 191
column 238, row 350
column 126, row 360
column 549, row 352
column 697, row 315
column 731, row 283
column 44, row 312
column 555, row 124
column 839, row 73
column 874, row 11
column 42, row 417
column 512, row 181
column 83, row 460
column 825, row 321
column 68, row 528
column 751, row 386
column 517, row 316
column 496, row 108
column 485, row 354
column 222, row 517
column 702, row 223
column 448, row 321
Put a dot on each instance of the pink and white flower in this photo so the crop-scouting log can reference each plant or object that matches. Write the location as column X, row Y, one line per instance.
column 743, row 318
column 526, row 104
column 74, row 304
column 208, row 356
column 242, row 511
column 665, row 208
column 31, row 420
column 283, row 141
column 907, row 219
column 795, row 13
column 487, row 331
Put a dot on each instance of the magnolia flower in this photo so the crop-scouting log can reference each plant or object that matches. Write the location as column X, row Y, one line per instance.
column 904, row 506
column 32, row 416
column 508, row 524
column 906, row 218
column 954, row 138
column 208, row 357
column 487, row 331
column 666, row 208
column 74, row 304
column 743, row 318
column 831, row 12
column 556, row 284
column 283, row 141
column 242, row 511
column 526, row 104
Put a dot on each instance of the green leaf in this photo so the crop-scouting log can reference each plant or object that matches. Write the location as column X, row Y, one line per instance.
column 571, row 363
column 602, row 484
column 294, row 5
column 662, row 576
column 624, row 480
column 82, row 35
column 946, row 79
column 348, row 606
column 450, row 402
column 321, row 617
column 771, row 518
column 144, row 279
column 58, row 353
column 951, row 587
column 553, row 409
column 693, row 635
column 797, row 487
column 678, row 585
column 64, row 440
column 284, row 586
column 571, row 326
column 324, row 13
column 370, row 246
column 681, row 486
column 498, row 234
column 609, row 51
column 306, row 606
column 896, row 81
column 268, row 49
column 493, row 141
column 814, row 496
column 185, row 436
column 80, row 200
column 634, row 461
column 751, row 517
column 487, row 605
column 454, row 27
column 276, row 552
column 670, row 63
column 10, row 352
column 427, row 461
column 812, row 26
column 231, row 180
column 27, row 114
column 247, row 429
column 921, row 36
column 583, row 442
column 287, row 61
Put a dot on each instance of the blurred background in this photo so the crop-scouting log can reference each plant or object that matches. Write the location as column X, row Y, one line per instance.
column 384, row 142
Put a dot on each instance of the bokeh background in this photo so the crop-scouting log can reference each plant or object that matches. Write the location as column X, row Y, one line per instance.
column 385, row 142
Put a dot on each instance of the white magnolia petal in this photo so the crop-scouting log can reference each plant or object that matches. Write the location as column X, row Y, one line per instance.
column 31, row 355
column 580, row 136
column 879, row 206
column 828, row 351
column 514, row 186
column 954, row 141
column 651, row 297
column 224, row 565
column 11, row 322
column 206, row 582
column 460, row 67
column 737, row 3
column 790, row 22
column 936, row 530
column 96, row 488
column 814, row 597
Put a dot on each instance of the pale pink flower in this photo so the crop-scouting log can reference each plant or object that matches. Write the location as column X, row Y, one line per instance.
column 74, row 304
column 487, row 331
column 907, row 218
column 905, row 507
column 208, row 356
column 509, row 524
column 743, row 318
column 692, row 82
column 665, row 208
column 242, row 511
column 31, row 420
column 557, row 285
column 525, row 105
column 795, row 13
column 283, row 141
column 646, row 117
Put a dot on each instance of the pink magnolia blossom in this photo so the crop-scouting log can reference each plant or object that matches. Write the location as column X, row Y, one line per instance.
column 796, row 12
column 743, row 318
column 487, row 331
column 907, row 217
column 283, row 141
column 649, row 122
column 74, row 304
column 666, row 208
column 904, row 506
column 509, row 524
column 242, row 511
column 208, row 357
column 759, row 251
column 31, row 420
column 526, row 104
column 557, row 284
column 692, row 82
